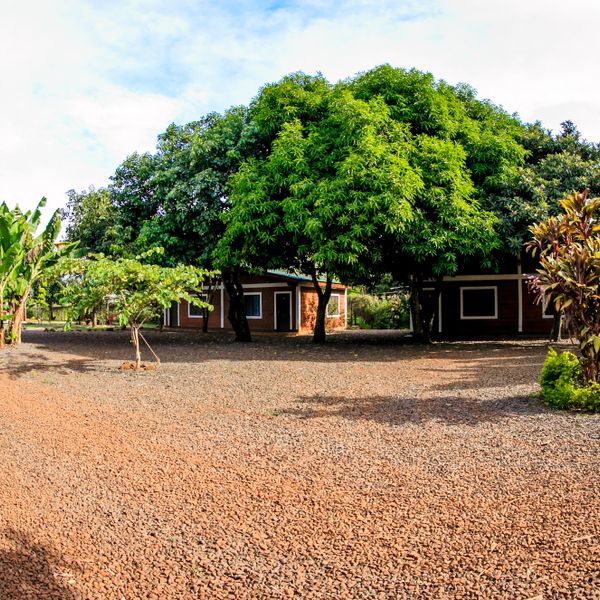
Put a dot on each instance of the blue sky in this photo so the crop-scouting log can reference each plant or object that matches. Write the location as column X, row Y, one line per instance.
column 85, row 83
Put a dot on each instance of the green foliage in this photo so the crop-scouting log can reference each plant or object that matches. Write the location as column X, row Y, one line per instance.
column 138, row 292
column 175, row 198
column 569, row 273
column 373, row 312
column 24, row 259
column 563, row 386
column 93, row 221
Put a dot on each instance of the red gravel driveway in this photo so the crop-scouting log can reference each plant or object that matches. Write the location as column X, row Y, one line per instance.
column 366, row 468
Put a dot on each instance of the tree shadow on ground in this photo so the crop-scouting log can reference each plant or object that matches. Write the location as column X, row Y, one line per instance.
column 400, row 410
column 470, row 389
column 196, row 347
column 30, row 363
column 30, row 570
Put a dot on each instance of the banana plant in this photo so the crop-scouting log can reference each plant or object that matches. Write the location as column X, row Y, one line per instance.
column 24, row 257
column 13, row 235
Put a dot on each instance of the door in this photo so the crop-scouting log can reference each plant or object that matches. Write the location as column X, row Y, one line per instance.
column 283, row 311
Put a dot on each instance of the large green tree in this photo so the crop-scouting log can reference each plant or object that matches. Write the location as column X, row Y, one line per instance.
column 337, row 174
column 93, row 221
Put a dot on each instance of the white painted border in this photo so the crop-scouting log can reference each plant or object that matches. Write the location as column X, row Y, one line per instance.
column 298, row 306
column 339, row 313
column 189, row 314
column 479, row 287
column 519, row 298
column 275, row 310
column 490, row 277
column 346, row 308
column 260, row 304
column 222, row 307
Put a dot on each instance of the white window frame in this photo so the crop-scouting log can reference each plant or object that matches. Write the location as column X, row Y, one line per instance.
column 339, row 312
column 275, row 310
column 260, row 304
column 203, row 297
column 479, row 287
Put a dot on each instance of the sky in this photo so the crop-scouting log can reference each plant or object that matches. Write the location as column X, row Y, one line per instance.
column 85, row 83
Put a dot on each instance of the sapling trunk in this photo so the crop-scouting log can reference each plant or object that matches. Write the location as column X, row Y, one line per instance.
column 135, row 340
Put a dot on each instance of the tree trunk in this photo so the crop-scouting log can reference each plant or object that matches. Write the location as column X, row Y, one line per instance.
column 421, row 324
column 556, row 327
column 323, row 295
column 2, row 319
column 50, row 312
column 205, row 311
column 94, row 318
column 237, row 308
column 18, row 318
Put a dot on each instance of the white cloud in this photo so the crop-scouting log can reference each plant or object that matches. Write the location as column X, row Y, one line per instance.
column 85, row 84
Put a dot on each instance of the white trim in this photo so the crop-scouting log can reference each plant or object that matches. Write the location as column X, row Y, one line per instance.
column 189, row 314
column 255, row 286
column 178, row 315
column 260, row 304
column 222, row 311
column 346, row 308
column 519, row 299
column 490, row 277
column 275, row 309
column 298, row 307
column 165, row 317
column 339, row 313
column 479, row 287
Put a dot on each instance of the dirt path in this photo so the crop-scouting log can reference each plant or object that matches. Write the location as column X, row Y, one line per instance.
column 279, row 470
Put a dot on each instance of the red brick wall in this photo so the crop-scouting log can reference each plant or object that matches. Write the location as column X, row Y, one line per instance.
column 267, row 321
column 309, row 302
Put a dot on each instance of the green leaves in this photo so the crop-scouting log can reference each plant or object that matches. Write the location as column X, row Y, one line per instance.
column 138, row 292
column 569, row 273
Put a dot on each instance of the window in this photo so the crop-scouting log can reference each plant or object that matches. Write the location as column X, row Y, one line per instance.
column 253, row 303
column 333, row 306
column 195, row 312
column 479, row 302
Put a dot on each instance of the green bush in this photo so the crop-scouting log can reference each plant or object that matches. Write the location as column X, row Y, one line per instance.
column 562, row 383
column 371, row 312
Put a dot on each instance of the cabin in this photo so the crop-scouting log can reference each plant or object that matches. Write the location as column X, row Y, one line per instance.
column 275, row 302
column 479, row 304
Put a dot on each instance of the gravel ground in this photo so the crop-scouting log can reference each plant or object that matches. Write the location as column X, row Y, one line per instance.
column 367, row 468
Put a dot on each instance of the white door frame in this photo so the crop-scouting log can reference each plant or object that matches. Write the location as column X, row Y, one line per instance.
column 275, row 310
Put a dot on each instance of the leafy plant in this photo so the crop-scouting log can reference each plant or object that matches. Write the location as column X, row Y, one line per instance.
column 569, row 273
column 563, row 385
column 139, row 292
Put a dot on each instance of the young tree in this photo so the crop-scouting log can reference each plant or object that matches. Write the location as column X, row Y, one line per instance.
column 139, row 292
column 569, row 275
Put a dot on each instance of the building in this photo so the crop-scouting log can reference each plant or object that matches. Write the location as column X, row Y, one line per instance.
column 491, row 304
column 275, row 302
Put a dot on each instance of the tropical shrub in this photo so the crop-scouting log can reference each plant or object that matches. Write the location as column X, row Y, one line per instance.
column 569, row 273
column 373, row 312
column 563, row 385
